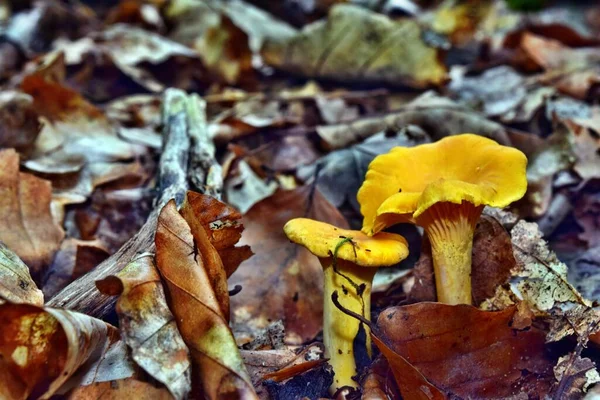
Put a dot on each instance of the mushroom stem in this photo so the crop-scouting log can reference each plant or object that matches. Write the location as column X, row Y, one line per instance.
column 450, row 228
column 353, row 284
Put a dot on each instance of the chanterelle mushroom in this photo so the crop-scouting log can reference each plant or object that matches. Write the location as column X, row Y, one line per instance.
column 443, row 187
column 350, row 260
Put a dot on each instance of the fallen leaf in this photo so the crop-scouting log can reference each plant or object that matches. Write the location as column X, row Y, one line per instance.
column 222, row 223
column 281, row 274
column 553, row 155
column 574, row 376
column 473, row 354
column 342, row 172
column 425, row 112
column 19, row 126
column 16, row 285
column 25, row 209
column 540, row 280
column 77, row 140
column 147, row 325
column 584, row 273
column 74, row 259
column 355, row 44
column 133, row 51
column 120, row 389
column 42, row 347
column 193, row 302
column 244, row 188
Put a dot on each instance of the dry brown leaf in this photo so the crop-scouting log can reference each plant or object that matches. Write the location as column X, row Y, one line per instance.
column 25, row 213
column 223, row 225
column 574, row 376
column 147, row 325
column 16, row 285
column 74, row 259
column 473, row 354
column 426, row 112
column 78, row 147
column 198, row 313
column 120, row 389
column 41, row 348
column 355, row 44
column 19, row 126
column 286, row 277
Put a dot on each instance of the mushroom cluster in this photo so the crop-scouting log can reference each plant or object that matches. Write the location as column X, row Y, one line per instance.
column 442, row 187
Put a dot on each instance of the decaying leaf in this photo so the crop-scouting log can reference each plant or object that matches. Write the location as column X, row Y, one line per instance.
column 342, row 172
column 147, row 325
column 19, row 126
column 286, row 277
column 78, row 148
column 16, row 285
column 120, row 389
column 245, row 188
column 74, row 259
column 540, row 280
column 574, row 376
column 473, row 354
column 197, row 311
column 355, row 44
column 28, row 230
column 224, row 227
column 425, row 112
column 41, row 348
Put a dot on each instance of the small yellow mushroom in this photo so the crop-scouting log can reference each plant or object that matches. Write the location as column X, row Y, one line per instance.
column 350, row 260
column 443, row 187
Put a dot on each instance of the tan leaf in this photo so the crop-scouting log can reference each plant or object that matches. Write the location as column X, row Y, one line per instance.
column 120, row 389
column 286, row 277
column 198, row 313
column 16, row 285
column 74, row 259
column 355, row 44
column 40, row 348
column 28, row 230
column 147, row 325
column 77, row 139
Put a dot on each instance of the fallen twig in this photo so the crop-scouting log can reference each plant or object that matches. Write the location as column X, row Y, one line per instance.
column 182, row 155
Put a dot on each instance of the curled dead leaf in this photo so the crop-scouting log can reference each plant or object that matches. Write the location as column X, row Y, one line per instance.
column 40, row 348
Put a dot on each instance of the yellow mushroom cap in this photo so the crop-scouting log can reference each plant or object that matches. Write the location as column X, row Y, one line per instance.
column 321, row 239
column 402, row 184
